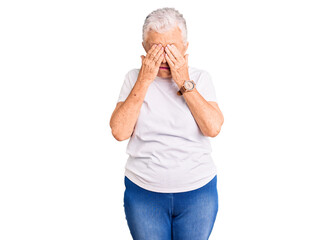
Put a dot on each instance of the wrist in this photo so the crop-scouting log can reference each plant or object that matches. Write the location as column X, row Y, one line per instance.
column 187, row 86
column 144, row 81
column 180, row 80
column 145, row 78
column 180, row 83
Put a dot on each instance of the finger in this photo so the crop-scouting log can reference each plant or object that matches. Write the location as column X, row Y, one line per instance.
column 159, row 53
column 170, row 55
column 151, row 49
column 178, row 56
column 155, row 51
column 171, row 64
column 160, row 59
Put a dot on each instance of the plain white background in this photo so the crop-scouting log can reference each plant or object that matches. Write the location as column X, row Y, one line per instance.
column 62, row 64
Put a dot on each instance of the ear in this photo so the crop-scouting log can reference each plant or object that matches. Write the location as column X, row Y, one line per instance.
column 186, row 47
column 143, row 45
column 186, row 59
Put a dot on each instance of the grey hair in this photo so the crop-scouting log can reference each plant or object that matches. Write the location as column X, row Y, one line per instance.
column 162, row 20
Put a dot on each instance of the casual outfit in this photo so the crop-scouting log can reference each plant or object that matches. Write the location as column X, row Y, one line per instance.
column 169, row 162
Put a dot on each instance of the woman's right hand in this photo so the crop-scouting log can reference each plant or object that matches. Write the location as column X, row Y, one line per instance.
column 151, row 63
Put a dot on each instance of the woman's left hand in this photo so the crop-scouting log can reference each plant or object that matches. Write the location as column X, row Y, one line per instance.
column 178, row 64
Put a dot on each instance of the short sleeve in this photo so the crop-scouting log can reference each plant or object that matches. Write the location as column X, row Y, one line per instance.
column 126, row 88
column 206, row 87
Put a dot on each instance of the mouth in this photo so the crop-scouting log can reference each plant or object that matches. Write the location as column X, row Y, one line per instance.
column 165, row 68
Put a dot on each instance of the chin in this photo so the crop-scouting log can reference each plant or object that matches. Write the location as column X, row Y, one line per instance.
column 163, row 75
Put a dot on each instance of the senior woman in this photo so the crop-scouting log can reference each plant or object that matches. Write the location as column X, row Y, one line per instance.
column 168, row 110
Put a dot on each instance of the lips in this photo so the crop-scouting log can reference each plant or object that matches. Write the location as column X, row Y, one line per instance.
column 165, row 68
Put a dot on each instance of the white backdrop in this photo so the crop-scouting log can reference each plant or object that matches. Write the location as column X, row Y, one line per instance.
column 62, row 64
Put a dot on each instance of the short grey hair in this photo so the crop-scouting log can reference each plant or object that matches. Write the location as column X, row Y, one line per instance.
column 162, row 20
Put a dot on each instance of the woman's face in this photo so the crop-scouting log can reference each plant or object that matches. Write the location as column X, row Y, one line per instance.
column 174, row 37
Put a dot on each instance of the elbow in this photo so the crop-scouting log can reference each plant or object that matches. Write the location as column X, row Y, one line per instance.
column 216, row 130
column 214, row 133
column 119, row 137
column 117, row 129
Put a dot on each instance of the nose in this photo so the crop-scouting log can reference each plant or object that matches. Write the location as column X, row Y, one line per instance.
column 164, row 60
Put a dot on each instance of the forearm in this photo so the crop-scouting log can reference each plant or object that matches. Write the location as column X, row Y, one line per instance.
column 124, row 118
column 207, row 117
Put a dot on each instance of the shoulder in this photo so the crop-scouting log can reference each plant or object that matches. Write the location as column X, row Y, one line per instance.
column 131, row 76
column 132, row 73
column 198, row 73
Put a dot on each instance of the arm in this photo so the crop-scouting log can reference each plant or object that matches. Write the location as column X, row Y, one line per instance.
column 207, row 115
column 126, row 113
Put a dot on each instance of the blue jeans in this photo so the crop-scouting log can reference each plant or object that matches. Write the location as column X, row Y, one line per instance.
column 171, row 216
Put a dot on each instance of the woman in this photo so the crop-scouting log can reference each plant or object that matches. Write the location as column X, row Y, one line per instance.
column 168, row 110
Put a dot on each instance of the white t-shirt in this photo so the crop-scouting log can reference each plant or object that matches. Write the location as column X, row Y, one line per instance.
column 167, row 151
